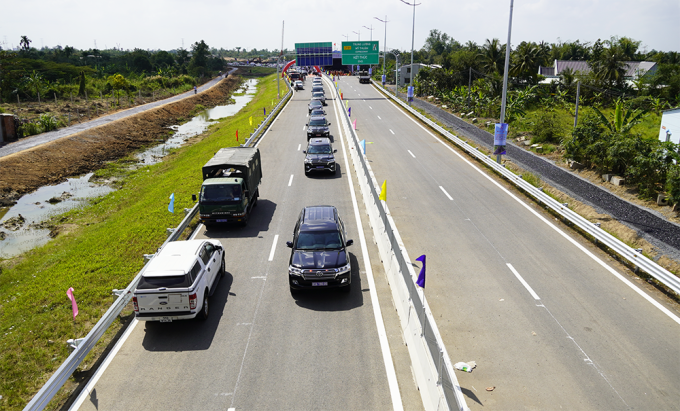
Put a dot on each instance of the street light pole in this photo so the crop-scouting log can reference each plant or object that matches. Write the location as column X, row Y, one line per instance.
column 413, row 33
column 505, row 74
column 385, row 43
column 370, row 28
column 396, row 72
column 358, row 34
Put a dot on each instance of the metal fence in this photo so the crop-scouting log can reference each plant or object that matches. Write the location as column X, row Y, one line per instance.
column 431, row 364
column 83, row 346
column 634, row 257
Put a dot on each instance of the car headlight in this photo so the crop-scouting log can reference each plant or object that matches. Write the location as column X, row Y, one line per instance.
column 344, row 269
column 308, row 161
column 294, row 271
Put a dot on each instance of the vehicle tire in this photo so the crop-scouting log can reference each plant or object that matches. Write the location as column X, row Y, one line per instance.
column 206, row 306
column 346, row 289
column 294, row 292
column 223, row 269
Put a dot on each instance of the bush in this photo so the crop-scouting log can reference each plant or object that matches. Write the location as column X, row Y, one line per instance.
column 48, row 122
column 673, row 184
column 547, row 128
column 29, row 129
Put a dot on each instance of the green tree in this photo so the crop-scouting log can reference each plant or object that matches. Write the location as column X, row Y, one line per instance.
column 81, row 85
column 525, row 61
column 198, row 66
column 25, row 43
column 492, row 56
column 623, row 120
column 35, row 83
column 118, row 83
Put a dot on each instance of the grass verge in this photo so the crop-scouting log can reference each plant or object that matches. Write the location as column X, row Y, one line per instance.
column 101, row 251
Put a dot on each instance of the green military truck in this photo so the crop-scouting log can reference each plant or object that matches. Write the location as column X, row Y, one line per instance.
column 230, row 189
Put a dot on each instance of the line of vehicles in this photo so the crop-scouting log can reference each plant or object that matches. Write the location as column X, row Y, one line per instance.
column 178, row 282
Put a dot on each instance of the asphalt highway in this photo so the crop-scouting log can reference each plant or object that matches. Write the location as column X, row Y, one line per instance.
column 548, row 318
column 552, row 322
column 262, row 348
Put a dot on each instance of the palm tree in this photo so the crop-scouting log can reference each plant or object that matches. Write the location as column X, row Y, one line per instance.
column 525, row 61
column 610, row 67
column 25, row 43
column 492, row 56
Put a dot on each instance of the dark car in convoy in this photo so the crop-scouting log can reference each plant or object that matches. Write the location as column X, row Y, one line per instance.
column 314, row 105
column 319, row 258
column 319, row 156
column 317, row 89
column 319, row 96
column 318, row 127
column 317, row 112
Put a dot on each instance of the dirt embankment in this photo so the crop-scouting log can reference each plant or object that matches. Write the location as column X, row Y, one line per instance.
column 88, row 150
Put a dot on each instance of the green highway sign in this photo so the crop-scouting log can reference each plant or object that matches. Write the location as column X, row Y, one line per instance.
column 360, row 52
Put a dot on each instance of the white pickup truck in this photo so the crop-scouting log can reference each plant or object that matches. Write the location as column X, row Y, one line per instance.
column 179, row 280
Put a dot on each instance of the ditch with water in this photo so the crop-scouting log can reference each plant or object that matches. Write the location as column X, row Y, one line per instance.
column 22, row 226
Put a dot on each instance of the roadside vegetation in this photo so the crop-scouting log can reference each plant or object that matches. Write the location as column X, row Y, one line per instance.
column 35, row 315
column 51, row 88
column 618, row 120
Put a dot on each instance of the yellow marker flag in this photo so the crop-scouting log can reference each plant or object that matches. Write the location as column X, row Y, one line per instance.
column 346, row 104
column 383, row 192
column 251, row 120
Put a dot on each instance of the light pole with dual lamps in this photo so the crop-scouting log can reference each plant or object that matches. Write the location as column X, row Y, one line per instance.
column 385, row 43
column 413, row 33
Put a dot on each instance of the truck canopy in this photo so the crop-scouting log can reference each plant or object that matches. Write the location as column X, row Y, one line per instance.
column 237, row 162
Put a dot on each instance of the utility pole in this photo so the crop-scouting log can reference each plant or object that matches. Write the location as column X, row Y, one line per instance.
column 578, row 93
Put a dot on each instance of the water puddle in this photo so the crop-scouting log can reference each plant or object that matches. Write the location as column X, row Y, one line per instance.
column 20, row 226
column 21, row 223
column 199, row 124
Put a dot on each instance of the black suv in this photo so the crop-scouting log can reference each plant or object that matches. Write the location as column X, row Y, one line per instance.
column 319, row 156
column 319, row 258
column 318, row 126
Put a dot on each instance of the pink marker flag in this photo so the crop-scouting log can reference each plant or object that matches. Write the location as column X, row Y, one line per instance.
column 355, row 124
column 74, row 306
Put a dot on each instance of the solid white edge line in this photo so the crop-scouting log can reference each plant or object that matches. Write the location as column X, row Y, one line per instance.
column 412, row 155
column 445, row 193
column 524, row 283
column 90, row 385
column 551, row 225
column 382, row 333
column 271, row 253
column 290, row 182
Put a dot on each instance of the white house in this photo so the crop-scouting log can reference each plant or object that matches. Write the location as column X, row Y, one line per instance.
column 670, row 126
column 406, row 74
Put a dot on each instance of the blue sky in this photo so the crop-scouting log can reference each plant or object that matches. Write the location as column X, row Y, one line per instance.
column 156, row 24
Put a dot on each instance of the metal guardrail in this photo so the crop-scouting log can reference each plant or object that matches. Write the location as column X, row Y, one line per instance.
column 432, row 367
column 265, row 123
column 85, row 345
column 635, row 258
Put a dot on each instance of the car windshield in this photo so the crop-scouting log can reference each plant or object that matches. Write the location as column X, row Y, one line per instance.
column 317, row 95
column 317, row 122
column 317, row 113
column 315, row 103
column 319, row 240
column 319, row 149
column 219, row 193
